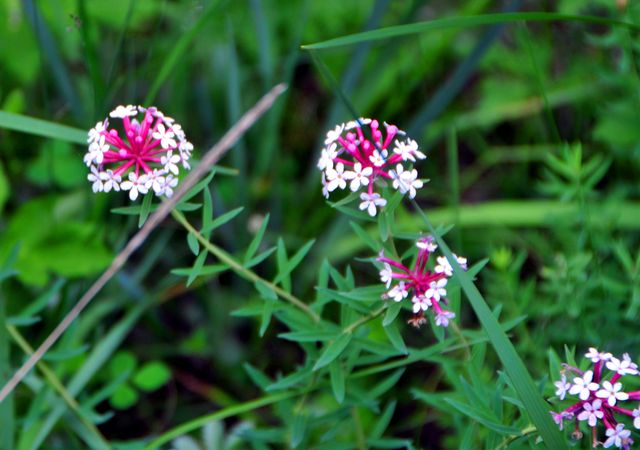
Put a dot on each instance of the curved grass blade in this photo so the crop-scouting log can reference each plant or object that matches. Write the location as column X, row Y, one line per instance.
column 514, row 366
column 463, row 22
column 39, row 127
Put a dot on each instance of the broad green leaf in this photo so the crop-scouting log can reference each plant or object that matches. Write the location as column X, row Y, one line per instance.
column 124, row 397
column 122, row 363
column 333, row 349
column 152, row 376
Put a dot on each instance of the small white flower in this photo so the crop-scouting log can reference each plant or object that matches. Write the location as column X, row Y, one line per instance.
column 398, row 181
column 96, row 178
column 170, row 182
column 591, row 413
column 562, row 387
column 442, row 319
column 333, row 135
column 185, row 148
column 124, row 111
column 335, row 177
column 444, row 266
column 420, row 303
column 370, row 202
column 135, row 185
column 409, row 182
column 177, row 130
column 617, row 436
column 595, row 356
column 166, row 137
column 95, row 132
column 583, row 386
column 427, row 243
column 96, row 151
column 612, row 393
column 386, row 275
column 436, row 289
column 636, row 418
column 156, row 180
column 398, row 292
column 112, row 181
column 624, row 367
column 170, row 162
column 378, row 159
column 327, row 155
column 359, row 176
column 408, row 150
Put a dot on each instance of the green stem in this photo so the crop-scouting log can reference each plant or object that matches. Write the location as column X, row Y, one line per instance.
column 240, row 269
column 219, row 415
column 362, row 445
column 57, row 385
column 361, row 321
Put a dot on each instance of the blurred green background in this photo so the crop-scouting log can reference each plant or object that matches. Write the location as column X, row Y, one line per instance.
column 533, row 145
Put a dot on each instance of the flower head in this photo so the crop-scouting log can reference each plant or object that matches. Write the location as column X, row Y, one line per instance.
column 146, row 154
column 361, row 153
column 425, row 287
column 601, row 397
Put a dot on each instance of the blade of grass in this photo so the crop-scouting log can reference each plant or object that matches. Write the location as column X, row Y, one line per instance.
column 209, row 159
column 231, row 411
column 522, row 382
column 179, row 51
column 447, row 92
column 91, row 58
column 263, row 36
column 41, row 127
column 463, row 22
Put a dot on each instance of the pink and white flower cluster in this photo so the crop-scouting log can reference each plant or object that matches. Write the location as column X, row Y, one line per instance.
column 148, row 156
column 357, row 157
column 600, row 395
column 425, row 288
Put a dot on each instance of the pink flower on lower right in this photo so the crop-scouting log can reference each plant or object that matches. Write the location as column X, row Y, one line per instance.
column 599, row 393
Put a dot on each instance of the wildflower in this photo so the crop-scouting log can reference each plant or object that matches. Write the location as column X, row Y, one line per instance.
column 618, row 436
column 425, row 287
column 146, row 154
column 600, row 397
column 360, row 152
column 562, row 387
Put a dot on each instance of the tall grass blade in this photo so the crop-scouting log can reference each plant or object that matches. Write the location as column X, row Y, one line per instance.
column 464, row 22
column 44, row 128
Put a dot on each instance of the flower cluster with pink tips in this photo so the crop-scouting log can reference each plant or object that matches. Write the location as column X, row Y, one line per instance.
column 147, row 157
column 426, row 288
column 358, row 157
column 600, row 394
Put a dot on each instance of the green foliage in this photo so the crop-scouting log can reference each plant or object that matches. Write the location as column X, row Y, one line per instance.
column 253, row 319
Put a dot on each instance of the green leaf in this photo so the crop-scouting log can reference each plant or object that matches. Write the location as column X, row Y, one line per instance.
column 192, row 242
column 333, row 350
column 145, row 209
column 395, row 338
column 392, row 312
column 365, row 237
column 204, row 270
column 124, row 397
column 221, row 220
column 152, row 376
column 292, row 263
column 43, row 128
column 383, row 421
column 267, row 293
column 461, row 22
column 257, row 239
column 299, row 429
column 122, row 362
column 336, row 372
column 196, row 270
